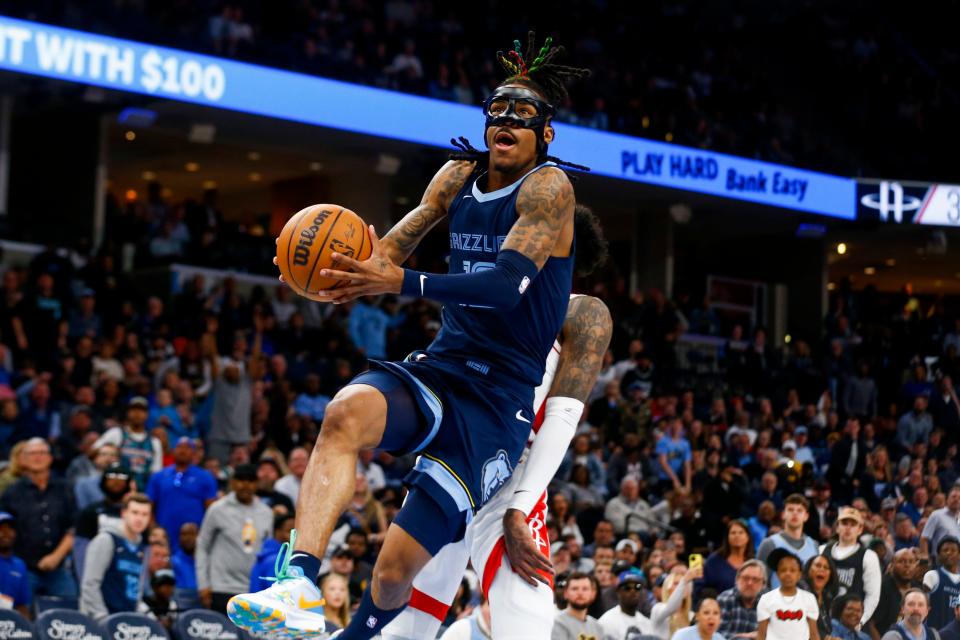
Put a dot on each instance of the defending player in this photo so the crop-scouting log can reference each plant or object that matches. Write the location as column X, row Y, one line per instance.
column 519, row 588
column 466, row 402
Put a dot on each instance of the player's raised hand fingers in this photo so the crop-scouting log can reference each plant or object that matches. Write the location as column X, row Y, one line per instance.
column 346, row 262
column 343, row 275
column 275, row 263
column 374, row 240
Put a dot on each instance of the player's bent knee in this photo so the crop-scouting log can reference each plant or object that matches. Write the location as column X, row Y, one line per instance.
column 394, row 581
column 354, row 419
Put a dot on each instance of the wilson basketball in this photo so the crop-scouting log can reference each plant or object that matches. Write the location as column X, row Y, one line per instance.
column 310, row 237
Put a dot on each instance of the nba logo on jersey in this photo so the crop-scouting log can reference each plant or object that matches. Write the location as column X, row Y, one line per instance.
column 524, row 284
column 371, row 622
column 496, row 472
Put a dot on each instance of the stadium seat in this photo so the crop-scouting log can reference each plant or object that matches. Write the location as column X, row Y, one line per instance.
column 56, row 624
column 46, row 603
column 14, row 626
column 124, row 626
column 203, row 624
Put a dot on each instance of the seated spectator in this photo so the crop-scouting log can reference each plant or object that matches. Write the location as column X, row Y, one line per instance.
column 336, row 595
column 580, row 489
column 160, row 603
column 708, row 621
column 15, row 591
column 915, row 505
column 289, row 485
column 566, row 520
column 904, row 533
column 767, row 491
column 628, row 512
column 269, row 472
column 184, row 568
column 914, row 426
column 624, row 620
column 573, row 622
column 913, row 620
column 112, row 579
column 738, row 604
column 722, row 566
column 311, row 403
column 847, row 611
column 263, row 568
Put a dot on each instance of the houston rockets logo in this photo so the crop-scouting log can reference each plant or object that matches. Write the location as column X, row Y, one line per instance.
column 789, row 615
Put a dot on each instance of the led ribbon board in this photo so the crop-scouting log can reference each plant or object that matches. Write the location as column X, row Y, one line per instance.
column 112, row 63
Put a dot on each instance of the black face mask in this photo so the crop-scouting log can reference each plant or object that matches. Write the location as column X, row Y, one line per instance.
column 520, row 107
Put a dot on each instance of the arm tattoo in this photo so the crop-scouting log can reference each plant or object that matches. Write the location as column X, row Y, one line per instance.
column 586, row 332
column 545, row 205
column 404, row 237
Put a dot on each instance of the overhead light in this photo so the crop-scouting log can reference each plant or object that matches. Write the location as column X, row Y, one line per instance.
column 166, row 192
column 668, row 137
column 316, row 166
column 130, row 136
column 254, row 177
column 148, row 175
column 788, row 338
column 209, row 184
column 253, row 155
column 192, row 167
column 842, row 248
column 869, row 271
column 645, row 122
column 831, row 286
column 890, row 262
column 131, row 195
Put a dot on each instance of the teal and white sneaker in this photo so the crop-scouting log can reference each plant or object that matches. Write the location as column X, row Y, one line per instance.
column 291, row 606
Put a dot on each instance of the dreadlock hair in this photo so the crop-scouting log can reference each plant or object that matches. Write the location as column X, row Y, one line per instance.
column 536, row 70
column 592, row 249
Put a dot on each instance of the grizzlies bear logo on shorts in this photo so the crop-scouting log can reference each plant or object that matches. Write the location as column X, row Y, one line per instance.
column 496, row 472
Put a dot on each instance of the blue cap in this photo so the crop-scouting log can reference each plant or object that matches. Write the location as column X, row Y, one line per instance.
column 6, row 517
column 631, row 575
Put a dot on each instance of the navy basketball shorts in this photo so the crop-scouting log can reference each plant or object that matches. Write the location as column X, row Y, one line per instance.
column 469, row 432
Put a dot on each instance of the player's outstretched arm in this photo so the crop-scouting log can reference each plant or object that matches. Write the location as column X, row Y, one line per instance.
column 585, row 336
column 404, row 237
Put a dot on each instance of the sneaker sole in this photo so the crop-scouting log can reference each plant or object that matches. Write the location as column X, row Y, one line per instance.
column 254, row 616
column 260, row 618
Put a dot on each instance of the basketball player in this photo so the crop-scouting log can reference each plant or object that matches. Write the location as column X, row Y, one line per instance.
column 519, row 588
column 466, row 402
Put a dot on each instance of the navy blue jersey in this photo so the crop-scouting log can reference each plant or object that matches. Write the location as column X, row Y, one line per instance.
column 512, row 344
column 943, row 601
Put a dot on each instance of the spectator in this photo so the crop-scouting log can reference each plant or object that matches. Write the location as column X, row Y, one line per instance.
column 904, row 533
column 901, row 577
column 112, row 579
column 39, row 416
column 139, row 451
column 181, row 492
column 628, row 512
column 860, row 394
column 773, row 623
column 164, row 414
column 311, row 403
column 738, row 604
column 45, row 512
column 792, row 538
column 368, row 324
column 477, row 625
column 768, row 490
column 858, row 568
column 269, row 472
column 115, row 484
column 945, row 406
column 234, row 529
column 376, row 479
column 823, row 512
column 674, row 454
column 847, row 613
column 573, row 622
column 914, row 426
column 913, row 618
column 625, row 620
column 673, row 613
column 88, row 489
column 289, row 485
column 15, row 589
column 184, row 567
column 847, row 461
column 941, row 523
column 760, row 523
column 943, row 583
column 232, row 398
column 916, row 504
column 708, row 621
column 160, row 603
column 722, row 566
column 336, row 596
column 603, row 535
column 263, row 568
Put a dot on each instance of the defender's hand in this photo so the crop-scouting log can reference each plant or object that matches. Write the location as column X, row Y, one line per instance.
column 525, row 557
column 374, row 276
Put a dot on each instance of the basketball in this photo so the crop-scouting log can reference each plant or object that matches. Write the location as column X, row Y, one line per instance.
column 307, row 241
